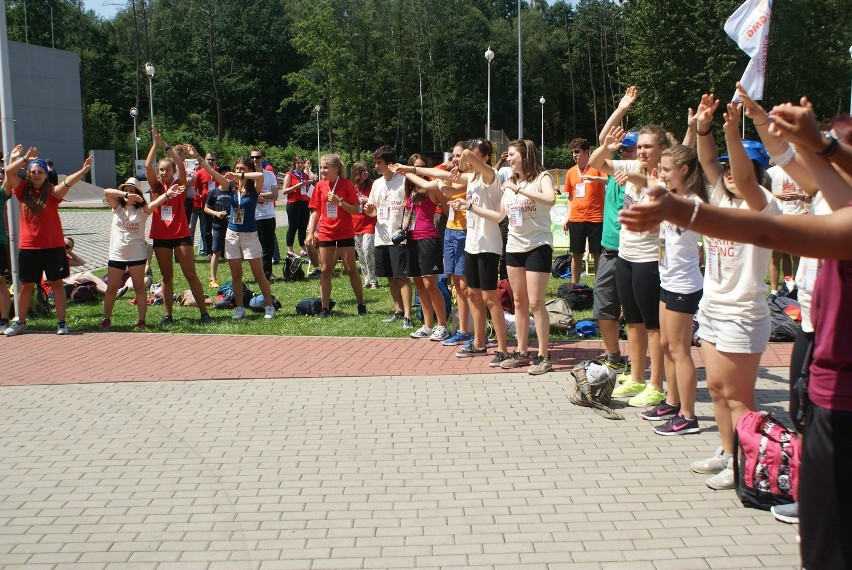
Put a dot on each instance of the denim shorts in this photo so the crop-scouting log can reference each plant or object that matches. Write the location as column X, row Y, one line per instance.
column 454, row 241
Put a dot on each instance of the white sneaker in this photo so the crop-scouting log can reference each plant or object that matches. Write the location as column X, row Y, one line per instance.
column 724, row 479
column 239, row 313
column 17, row 327
column 61, row 328
column 713, row 464
column 439, row 333
column 269, row 312
column 422, row 332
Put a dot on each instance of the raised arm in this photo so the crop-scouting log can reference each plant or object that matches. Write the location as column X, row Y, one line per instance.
column 690, row 136
column 173, row 191
column 469, row 158
column 220, row 180
column 601, row 157
column 706, row 144
column 741, row 167
column 60, row 190
column 16, row 162
column 624, row 105
column 420, row 171
column 490, row 215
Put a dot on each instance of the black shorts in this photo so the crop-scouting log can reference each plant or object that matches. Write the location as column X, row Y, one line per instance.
column 579, row 232
column 52, row 262
column 123, row 265
column 538, row 260
column 391, row 261
column 425, row 257
column 5, row 264
column 349, row 242
column 638, row 285
column 681, row 302
column 481, row 269
column 172, row 243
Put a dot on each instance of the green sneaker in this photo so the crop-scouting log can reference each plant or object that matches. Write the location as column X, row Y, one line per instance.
column 629, row 388
column 648, row 397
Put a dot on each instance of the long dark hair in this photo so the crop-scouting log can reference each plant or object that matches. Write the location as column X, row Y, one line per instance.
column 410, row 187
column 249, row 165
column 35, row 199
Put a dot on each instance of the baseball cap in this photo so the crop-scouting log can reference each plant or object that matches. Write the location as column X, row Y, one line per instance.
column 630, row 139
column 755, row 152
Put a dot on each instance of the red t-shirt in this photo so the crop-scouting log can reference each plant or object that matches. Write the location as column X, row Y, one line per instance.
column 587, row 201
column 296, row 195
column 45, row 231
column 169, row 220
column 203, row 185
column 339, row 226
column 363, row 223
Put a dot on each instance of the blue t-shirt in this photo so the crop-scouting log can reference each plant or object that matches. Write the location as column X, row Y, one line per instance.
column 220, row 201
column 247, row 204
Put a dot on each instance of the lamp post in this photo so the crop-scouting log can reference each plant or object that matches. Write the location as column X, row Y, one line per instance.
column 542, row 129
column 520, row 91
column 149, row 71
column 489, row 57
column 134, row 112
column 317, row 109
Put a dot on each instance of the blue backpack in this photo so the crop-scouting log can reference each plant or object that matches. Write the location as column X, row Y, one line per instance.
column 586, row 328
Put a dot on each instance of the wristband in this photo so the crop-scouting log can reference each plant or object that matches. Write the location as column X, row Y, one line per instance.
column 784, row 158
column 242, row 175
column 691, row 220
column 830, row 148
column 64, row 183
column 705, row 133
column 168, row 147
column 126, row 194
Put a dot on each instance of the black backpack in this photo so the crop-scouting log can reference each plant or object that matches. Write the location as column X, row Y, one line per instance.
column 293, row 269
column 579, row 296
column 311, row 307
column 561, row 266
column 784, row 329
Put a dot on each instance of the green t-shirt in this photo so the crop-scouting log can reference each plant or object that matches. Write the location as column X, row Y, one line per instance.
column 4, row 239
column 613, row 202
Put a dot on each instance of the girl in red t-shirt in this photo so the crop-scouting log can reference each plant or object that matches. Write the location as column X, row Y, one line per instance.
column 170, row 229
column 332, row 205
column 296, row 184
column 42, row 243
column 364, row 225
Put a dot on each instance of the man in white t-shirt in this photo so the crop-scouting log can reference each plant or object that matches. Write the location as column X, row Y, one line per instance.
column 265, row 212
column 387, row 204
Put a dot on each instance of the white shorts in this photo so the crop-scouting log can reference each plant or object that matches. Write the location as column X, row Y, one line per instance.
column 242, row 245
column 738, row 337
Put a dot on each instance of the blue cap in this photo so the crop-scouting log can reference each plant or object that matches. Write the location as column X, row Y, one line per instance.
column 755, row 152
column 630, row 139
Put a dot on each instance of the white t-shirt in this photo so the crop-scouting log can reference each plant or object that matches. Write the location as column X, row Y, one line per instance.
column 734, row 286
column 266, row 211
column 529, row 221
column 809, row 268
column 127, row 234
column 636, row 247
column 388, row 196
column 782, row 183
column 483, row 236
column 504, row 174
column 679, row 263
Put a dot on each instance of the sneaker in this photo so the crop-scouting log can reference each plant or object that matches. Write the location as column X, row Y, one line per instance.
column 61, row 328
column 214, row 284
column 407, row 324
column 315, row 273
column 303, row 253
column 422, row 332
column 620, row 367
column 712, row 464
column 324, row 313
column 206, row 319
column 629, row 388
column 4, row 324
column 624, row 377
column 457, row 338
column 540, row 365
column 105, row 324
column 724, row 479
column 269, row 312
column 140, row 325
column 395, row 316
column 167, row 320
column 373, row 285
column 121, row 291
column 516, row 360
column 647, row 397
column 470, row 350
column 498, row 360
column 291, row 254
column 439, row 333
column 786, row 513
column 660, row 412
column 362, row 310
column 678, row 425
column 17, row 327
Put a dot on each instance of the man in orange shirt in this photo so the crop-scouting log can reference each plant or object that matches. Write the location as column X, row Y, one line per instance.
column 585, row 188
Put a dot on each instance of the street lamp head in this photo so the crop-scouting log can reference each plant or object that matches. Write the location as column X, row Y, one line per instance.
column 134, row 112
column 541, row 100
column 317, row 109
column 149, row 69
column 489, row 55
column 850, row 51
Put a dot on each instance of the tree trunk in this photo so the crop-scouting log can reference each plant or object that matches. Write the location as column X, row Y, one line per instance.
column 214, row 77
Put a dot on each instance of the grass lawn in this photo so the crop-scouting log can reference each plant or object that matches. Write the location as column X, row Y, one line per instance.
column 344, row 320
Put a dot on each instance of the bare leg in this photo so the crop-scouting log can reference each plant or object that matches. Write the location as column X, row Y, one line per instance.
column 256, row 266
column 477, row 310
column 186, row 258
column 518, row 281
column 576, row 267
column 328, row 259
column 637, row 348
column 537, row 290
column 236, row 266
column 460, row 283
column 59, row 300
column 348, row 255
column 137, row 281
column 114, row 275
column 436, row 298
column 165, row 259
column 497, row 318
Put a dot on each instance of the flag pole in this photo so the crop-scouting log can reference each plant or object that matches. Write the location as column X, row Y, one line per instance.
column 7, row 131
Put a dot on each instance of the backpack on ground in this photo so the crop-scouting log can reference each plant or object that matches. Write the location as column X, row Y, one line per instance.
column 784, row 329
column 293, row 271
column 258, row 303
column 311, row 307
column 766, row 462
column 561, row 267
column 559, row 314
column 586, row 328
column 580, row 297
column 592, row 386
column 506, row 296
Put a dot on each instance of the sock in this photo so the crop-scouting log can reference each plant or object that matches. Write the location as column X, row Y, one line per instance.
column 615, row 357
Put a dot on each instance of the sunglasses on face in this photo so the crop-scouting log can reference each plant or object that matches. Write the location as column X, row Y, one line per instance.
column 210, row 159
column 256, row 157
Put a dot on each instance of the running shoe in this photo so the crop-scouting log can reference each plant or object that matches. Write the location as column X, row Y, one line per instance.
column 4, row 324
column 516, row 360
column 660, row 412
column 470, row 350
column 140, row 325
column 712, row 464
column 16, row 328
column 422, row 332
column 724, row 479
column 269, row 312
column 121, row 291
column 439, row 333
column 407, row 325
column 647, row 397
column 786, row 513
column 167, row 320
column 629, row 388
column 106, row 324
column 499, row 359
column 214, row 284
column 362, row 310
column 540, row 365
column 61, row 328
column 678, row 425
column 457, row 338
column 206, row 318
column 324, row 313
column 395, row 316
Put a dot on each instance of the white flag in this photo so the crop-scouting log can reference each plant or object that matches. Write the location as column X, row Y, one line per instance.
column 749, row 27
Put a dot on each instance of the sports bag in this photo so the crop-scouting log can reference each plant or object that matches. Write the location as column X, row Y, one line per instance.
column 766, row 466
column 311, row 307
column 784, row 329
column 592, row 386
column 293, row 271
column 559, row 314
column 561, row 267
column 579, row 296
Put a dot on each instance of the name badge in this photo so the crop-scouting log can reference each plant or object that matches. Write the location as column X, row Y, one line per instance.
column 211, row 186
column 713, row 269
column 471, row 219
column 663, row 259
column 166, row 213
column 516, row 216
column 580, row 190
column 330, row 210
column 384, row 213
column 239, row 215
column 304, row 189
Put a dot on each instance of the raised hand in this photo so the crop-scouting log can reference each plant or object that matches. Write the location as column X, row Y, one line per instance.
column 621, row 177
column 629, row 98
column 613, row 138
column 156, row 135
column 732, row 117
column 753, row 110
column 31, row 154
column 704, row 113
column 87, row 164
column 797, row 124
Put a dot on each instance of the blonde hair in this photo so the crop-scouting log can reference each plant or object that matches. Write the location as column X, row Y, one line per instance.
column 334, row 161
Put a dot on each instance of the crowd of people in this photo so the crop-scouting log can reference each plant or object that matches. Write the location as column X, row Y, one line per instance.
column 640, row 204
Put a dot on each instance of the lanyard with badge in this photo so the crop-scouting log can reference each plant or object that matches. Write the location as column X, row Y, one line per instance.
column 580, row 187
column 167, row 210
column 238, row 213
column 331, row 207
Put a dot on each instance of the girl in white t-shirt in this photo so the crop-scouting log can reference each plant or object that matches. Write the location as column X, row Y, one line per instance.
column 128, row 250
column 527, row 199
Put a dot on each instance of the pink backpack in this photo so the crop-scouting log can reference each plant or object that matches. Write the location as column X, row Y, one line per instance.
column 766, row 467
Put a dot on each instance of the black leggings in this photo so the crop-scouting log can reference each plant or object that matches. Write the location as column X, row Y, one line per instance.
column 297, row 220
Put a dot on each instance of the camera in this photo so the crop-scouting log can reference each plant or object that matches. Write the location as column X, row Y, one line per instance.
column 401, row 236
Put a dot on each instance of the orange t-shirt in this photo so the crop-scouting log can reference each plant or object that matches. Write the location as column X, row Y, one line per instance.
column 586, row 198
